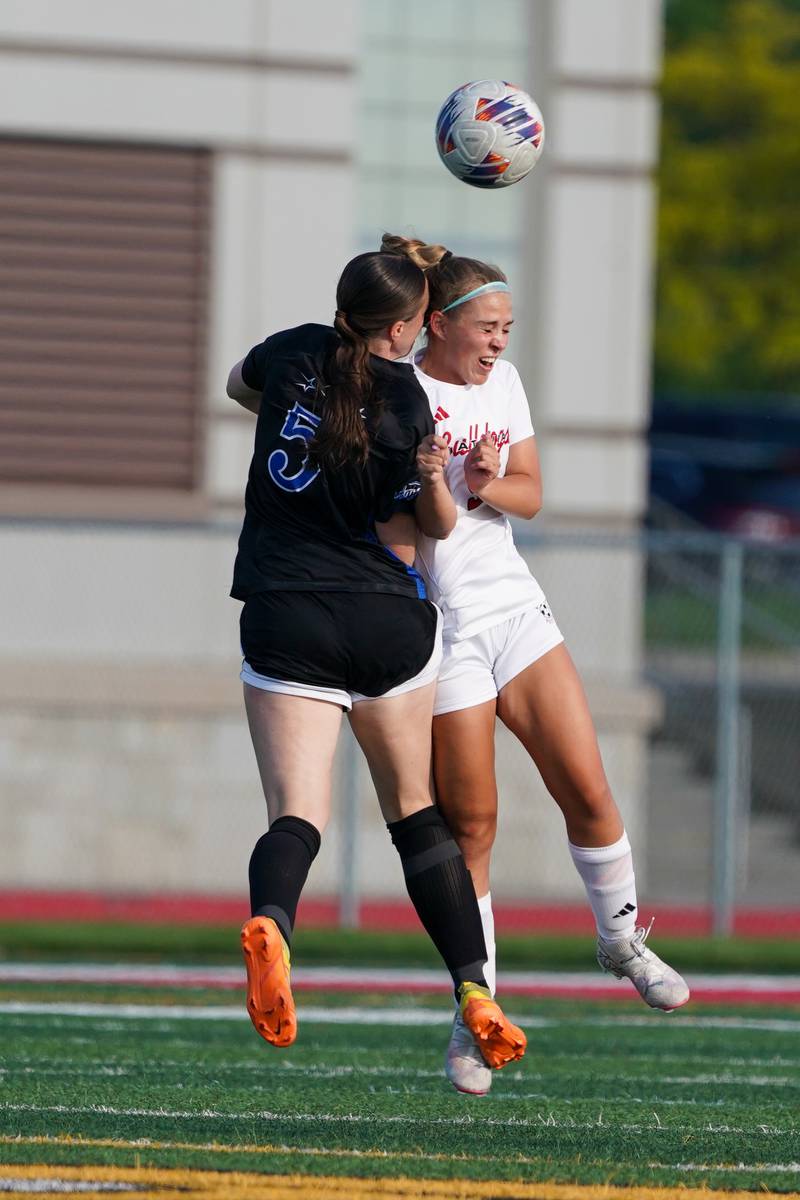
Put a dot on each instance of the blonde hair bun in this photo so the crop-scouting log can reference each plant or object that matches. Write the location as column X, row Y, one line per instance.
column 423, row 254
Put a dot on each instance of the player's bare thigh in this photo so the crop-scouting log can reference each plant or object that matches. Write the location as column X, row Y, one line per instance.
column 394, row 733
column 545, row 707
column 294, row 738
column 466, row 792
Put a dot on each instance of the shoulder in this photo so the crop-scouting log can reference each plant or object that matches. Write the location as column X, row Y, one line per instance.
column 506, row 374
column 309, row 344
column 426, row 382
column 310, row 339
column 506, row 386
column 406, row 414
column 402, row 390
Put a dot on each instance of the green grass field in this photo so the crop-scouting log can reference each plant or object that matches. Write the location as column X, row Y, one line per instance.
column 606, row 1094
column 65, row 941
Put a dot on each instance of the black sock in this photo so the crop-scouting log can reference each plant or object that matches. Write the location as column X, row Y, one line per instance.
column 440, row 887
column 279, row 866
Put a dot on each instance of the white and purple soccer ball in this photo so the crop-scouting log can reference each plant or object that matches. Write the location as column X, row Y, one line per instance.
column 489, row 133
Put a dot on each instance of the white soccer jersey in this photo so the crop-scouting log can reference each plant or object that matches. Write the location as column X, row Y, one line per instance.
column 476, row 575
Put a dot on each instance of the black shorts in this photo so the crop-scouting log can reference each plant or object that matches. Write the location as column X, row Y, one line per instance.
column 358, row 642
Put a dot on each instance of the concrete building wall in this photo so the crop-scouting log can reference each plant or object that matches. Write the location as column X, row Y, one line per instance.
column 274, row 106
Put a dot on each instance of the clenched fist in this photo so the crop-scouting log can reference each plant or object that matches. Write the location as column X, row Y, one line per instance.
column 482, row 465
column 432, row 455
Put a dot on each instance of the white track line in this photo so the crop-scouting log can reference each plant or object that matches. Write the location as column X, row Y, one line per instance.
column 172, row 975
column 228, row 1012
column 354, row 1015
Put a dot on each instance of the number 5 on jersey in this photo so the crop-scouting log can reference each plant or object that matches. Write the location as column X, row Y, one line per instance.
column 300, row 425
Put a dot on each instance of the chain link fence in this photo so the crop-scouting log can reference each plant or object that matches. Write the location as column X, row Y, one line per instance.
column 722, row 645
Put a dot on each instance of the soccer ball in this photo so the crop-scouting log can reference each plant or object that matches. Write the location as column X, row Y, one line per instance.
column 489, row 133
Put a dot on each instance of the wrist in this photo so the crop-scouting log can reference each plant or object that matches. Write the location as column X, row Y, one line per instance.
column 436, row 484
column 479, row 491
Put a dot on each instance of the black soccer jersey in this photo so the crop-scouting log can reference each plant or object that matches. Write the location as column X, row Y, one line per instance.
column 310, row 528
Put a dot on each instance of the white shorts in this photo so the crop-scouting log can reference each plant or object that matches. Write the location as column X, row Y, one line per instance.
column 344, row 699
column 475, row 670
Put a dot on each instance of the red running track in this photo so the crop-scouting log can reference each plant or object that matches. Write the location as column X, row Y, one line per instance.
column 196, row 909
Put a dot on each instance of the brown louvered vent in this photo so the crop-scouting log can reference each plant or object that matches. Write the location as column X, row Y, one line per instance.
column 103, row 266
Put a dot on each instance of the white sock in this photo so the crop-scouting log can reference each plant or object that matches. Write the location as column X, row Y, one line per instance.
column 607, row 874
column 487, row 921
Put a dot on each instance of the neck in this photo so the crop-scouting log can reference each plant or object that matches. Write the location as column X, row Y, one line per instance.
column 382, row 347
column 434, row 363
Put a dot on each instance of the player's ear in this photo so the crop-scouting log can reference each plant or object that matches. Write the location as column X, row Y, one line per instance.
column 396, row 331
column 437, row 323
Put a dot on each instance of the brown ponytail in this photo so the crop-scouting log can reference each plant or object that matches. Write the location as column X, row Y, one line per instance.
column 375, row 290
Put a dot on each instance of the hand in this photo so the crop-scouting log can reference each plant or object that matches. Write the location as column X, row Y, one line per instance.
column 433, row 453
column 482, row 465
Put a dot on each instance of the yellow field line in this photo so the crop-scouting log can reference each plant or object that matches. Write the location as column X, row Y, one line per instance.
column 179, row 1184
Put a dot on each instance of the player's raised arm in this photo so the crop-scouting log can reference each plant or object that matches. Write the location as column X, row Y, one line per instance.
column 518, row 493
column 435, row 509
column 239, row 391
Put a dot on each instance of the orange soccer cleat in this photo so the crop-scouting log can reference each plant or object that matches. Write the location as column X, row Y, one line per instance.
column 269, row 995
column 499, row 1041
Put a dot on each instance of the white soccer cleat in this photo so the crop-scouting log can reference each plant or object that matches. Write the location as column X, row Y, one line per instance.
column 657, row 984
column 465, row 1066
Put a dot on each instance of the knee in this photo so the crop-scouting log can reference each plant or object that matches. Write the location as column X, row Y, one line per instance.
column 594, row 798
column 474, row 831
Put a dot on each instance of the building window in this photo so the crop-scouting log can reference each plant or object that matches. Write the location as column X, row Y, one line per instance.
column 406, row 71
column 103, row 288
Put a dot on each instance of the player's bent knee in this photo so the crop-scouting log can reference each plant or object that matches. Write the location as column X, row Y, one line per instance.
column 593, row 801
column 474, row 834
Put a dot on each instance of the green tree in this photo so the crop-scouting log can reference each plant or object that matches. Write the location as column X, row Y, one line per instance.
column 728, row 302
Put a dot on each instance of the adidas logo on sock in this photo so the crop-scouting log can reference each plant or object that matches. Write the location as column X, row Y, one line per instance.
column 625, row 911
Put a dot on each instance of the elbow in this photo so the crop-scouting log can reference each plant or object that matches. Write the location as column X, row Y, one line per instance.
column 234, row 387
column 438, row 527
column 439, row 530
column 533, row 506
column 445, row 524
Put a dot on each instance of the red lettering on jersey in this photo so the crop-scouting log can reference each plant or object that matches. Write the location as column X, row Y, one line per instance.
column 460, row 446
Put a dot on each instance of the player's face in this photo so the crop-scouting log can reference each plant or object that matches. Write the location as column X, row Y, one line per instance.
column 476, row 335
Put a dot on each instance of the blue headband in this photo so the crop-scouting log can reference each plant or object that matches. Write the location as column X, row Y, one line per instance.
column 496, row 285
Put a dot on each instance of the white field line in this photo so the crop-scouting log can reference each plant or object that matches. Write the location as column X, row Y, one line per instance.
column 172, row 975
column 418, row 1081
column 354, row 1015
column 353, row 1152
column 340, row 1071
column 732, row 1080
column 237, row 1066
column 537, row 1121
column 776, row 1168
column 17, row 1187
column 64, row 1187
column 410, row 1080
